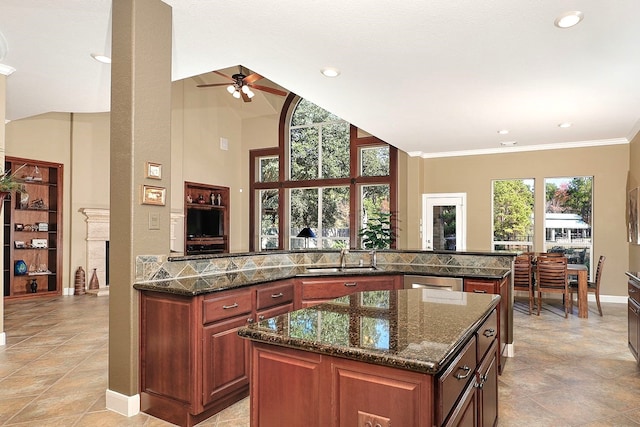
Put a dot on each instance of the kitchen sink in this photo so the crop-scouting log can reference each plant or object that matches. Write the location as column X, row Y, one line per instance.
column 327, row 270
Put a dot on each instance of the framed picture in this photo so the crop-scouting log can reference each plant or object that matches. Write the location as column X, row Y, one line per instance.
column 154, row 195
column 153, row 170
column 632, row 216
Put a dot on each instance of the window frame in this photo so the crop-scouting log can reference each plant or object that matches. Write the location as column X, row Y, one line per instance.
column 354, row 180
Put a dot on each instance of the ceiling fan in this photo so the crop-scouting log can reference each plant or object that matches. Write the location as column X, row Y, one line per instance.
column 242, row 84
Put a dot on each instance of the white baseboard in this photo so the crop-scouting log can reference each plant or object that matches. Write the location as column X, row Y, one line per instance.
column 3, row 338
column 510, row 351
column 618, row 299
column 68, row 291
column 122, row 404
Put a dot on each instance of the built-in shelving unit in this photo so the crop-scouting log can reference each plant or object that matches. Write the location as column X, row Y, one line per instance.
column 206, row 224
column 33, row 230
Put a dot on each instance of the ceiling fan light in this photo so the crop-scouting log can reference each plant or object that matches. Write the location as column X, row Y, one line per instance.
column 236, row 94
column 231, row 89
column 246, row 90
column 250, row 93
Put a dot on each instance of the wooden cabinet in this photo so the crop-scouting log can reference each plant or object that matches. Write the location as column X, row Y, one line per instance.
column 193, row 363
column 502, row 288
column 291, row 387
column 633, row 287
column 315, row 290
column 206, row 223
column 33, row 230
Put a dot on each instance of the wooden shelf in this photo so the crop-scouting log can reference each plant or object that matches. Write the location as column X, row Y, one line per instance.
column 47, row 191
column 206, row 224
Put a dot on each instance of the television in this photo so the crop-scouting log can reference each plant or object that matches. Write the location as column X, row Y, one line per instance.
column 205, row 223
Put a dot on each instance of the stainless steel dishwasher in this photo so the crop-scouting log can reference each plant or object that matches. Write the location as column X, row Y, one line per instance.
column 433, row 282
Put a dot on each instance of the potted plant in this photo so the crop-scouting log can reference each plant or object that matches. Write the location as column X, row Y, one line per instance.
column 377, row 232
column 9, row 183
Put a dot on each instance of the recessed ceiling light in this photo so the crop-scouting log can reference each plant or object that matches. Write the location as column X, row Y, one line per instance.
column 503, row 131
column 101, row 58
column 564, row 125
column 568, row 19
column 330, row 72
column 508, row 143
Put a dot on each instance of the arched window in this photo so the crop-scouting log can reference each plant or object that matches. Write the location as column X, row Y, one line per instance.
column 335, row 179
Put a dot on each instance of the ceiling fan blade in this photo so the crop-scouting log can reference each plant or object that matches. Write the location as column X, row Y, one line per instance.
column 245, row 97
column 213, row 84
column 269, row 89
column 225, row 76
column 252, row 78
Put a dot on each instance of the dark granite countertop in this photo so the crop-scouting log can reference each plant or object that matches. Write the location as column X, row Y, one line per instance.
column 415, row 329
column 635, row 275
column 192, row 286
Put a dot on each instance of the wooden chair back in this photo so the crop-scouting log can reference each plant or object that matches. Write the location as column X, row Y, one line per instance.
column 551, row 272
column 522, row 272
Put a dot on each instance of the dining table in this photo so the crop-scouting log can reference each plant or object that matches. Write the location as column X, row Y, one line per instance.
column 581, row 271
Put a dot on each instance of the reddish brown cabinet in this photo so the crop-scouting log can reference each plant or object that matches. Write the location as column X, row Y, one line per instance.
column 633, row 304
column 192, row 362
column 501, row 287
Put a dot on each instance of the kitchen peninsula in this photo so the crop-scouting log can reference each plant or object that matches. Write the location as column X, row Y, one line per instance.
column 193, row 363
column 418, row 357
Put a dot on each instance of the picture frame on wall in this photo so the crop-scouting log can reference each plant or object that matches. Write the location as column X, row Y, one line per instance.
column 153, row 170
column 154, row 195
column 632, row 217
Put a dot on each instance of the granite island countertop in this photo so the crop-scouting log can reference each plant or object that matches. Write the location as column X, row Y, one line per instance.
column 415, row 329
column 203, row 284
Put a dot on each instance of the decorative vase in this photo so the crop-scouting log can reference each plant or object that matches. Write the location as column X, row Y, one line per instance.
column 20, row 268
column 93, row 283
column 33, row 286
column 79, row 284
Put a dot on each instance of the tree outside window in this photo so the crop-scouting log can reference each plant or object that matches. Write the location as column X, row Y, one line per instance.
column 513, row 202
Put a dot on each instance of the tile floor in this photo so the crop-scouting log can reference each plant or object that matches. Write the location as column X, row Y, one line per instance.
column 567, row 372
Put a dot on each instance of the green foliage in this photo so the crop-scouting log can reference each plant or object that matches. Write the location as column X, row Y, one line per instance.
column 512, row 210
column 8, row 181
column 575, row 197
column 377, row 233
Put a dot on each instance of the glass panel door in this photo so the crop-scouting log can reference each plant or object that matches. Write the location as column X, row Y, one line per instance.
column 444, row 222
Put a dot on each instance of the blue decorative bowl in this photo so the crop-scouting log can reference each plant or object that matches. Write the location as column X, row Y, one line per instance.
column 20, row 268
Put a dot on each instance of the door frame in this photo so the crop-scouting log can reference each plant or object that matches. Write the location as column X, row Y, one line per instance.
column 459, row 200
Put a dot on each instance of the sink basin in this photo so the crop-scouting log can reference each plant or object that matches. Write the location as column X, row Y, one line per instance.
column 326, row 270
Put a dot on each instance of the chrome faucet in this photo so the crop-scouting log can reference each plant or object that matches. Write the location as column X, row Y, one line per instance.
column 374, row 259
column 343, row 257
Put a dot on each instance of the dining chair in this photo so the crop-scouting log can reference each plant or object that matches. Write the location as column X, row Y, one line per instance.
column 523, row 277
column 592, row 286
column 551, row 277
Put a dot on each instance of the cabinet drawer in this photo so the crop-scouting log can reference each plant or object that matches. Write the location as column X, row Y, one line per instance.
column 487, row 334
column 634, row 291
column 453, row 381
column 274, row 295
column 225, row 305
column 337, row 287
column 479, row 287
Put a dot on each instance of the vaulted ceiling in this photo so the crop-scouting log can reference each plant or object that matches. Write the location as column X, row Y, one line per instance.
column 431, row 77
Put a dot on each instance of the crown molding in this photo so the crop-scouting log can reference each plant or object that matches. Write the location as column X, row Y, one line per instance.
column 6, row 70
column 516, row 149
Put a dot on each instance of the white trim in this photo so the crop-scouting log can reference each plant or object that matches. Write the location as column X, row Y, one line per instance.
column 122, row 404
column 538, row 147
column 511, row 352
column 68, row 291
column 3, row 338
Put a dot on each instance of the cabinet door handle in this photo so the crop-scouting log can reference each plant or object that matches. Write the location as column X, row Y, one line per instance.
column 278, row 295
column 261, row 317
column 351, row 284
column 227, row 307
column 632, row 308
column 466, row 369
column 250, row 320
column 489, row 332
column 478, row 291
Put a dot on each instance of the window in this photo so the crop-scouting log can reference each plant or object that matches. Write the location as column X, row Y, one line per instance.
column 513, row 218
column 332, row 181
column 568, row 218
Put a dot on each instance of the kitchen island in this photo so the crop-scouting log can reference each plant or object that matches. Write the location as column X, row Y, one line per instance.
column 418, row 357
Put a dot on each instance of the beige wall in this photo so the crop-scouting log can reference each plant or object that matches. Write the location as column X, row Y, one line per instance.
column 633, row 181
column 200, row 118
column 473, row 175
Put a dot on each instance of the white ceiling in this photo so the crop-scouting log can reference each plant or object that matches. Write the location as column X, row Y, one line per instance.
column 427, row 76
